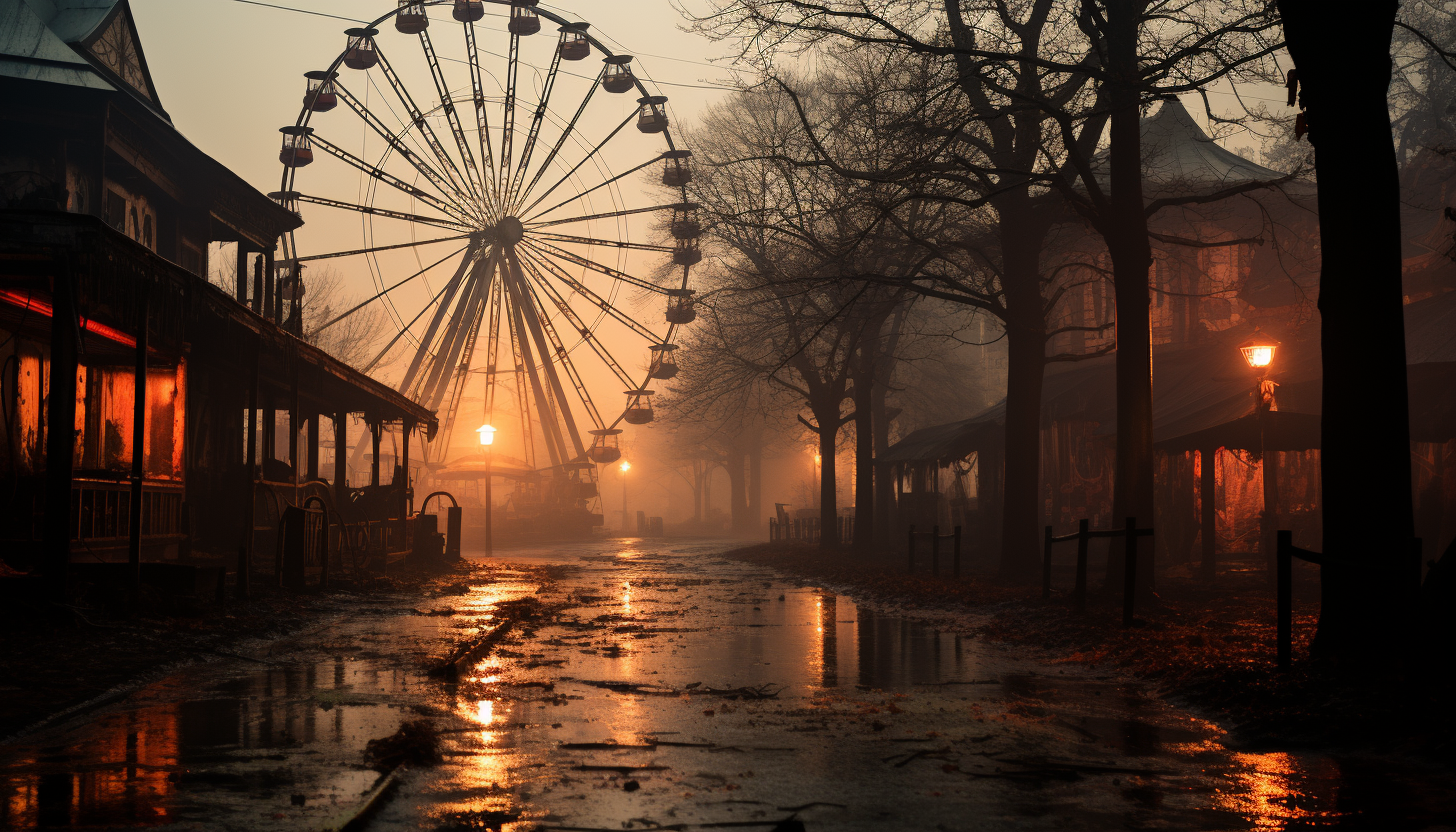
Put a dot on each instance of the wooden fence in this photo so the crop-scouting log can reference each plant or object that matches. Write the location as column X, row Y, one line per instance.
column 935, row 538
column 1129, row 533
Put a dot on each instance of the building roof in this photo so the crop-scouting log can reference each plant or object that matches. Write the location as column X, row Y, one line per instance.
column 78, row 43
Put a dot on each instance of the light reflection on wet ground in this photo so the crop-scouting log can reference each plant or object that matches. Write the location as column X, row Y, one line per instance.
column 869, row 722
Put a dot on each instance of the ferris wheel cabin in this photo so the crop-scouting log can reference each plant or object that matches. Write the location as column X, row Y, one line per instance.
column 574, row 46
column 687, row 253
column 411, row 19
column 604, row 448
column 684, row 224
column 297, row 148
column 320, row 96
column 675, row 170
column 664, row 365
column 639, row 407
column 680, row 308
column 618, row 76
column 652, row 114
column 523, row 18
column 288, row 201
column 468, row 11
column 359, row 52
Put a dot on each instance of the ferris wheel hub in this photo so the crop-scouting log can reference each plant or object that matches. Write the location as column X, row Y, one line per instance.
column 509, row 231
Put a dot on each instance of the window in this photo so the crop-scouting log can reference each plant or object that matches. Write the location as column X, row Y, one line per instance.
column 113, row 210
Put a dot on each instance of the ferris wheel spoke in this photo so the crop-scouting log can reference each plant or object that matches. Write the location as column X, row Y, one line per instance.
column 545, row 406
column 477, row 92
column 448, row 105
column 442, row 308
column 390, row 289
column 492, row 349
column 375, row 249
column 588, row 158
column 456, row 333
column 571, row 257
column 528, row 290
column 462, row 373
column 523, row 398
column 447, row 188
column 447, row 291
column 535, row 129
column 417, row 119
column 453, row 225
column 574, row 319
column 617, row 178
column 549, row 361
column 593, row 298
column 591, row 241
column 560, row 141
column 508, row 124
column 605, row 215
column 387, row 178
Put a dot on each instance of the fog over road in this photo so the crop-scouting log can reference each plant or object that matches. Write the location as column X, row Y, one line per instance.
column 670, row 688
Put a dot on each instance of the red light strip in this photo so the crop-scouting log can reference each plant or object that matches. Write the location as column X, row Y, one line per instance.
column 30, row 304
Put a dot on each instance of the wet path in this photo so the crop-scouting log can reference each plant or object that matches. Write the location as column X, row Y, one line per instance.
column 675, row 689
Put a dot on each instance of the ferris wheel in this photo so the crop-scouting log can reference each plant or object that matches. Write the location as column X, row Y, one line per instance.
column 502, row 243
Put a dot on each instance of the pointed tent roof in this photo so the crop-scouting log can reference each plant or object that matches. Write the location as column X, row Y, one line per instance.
column 80, row 43
column 1180, row 159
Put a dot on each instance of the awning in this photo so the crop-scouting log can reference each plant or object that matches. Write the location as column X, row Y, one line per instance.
column 1283, row 431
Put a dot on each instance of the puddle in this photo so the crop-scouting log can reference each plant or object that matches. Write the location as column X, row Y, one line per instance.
column 677, row 688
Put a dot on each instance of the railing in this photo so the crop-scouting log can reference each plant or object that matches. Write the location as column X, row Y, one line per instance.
column 935, row 538
column 1129, row 533
column 809, row 529
column 101, row 510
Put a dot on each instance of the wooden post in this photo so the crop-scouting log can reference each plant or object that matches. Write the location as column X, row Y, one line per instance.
column 409, row 494
column 341, row 462
column 138, row 449
column 256, row 302
column 60, row 436
column 1285, row 604
column 1207, row 498
column 935, row 551
column 375, row 429
column 1084, row 536
column 1046, row 562
column 912, row 549
column 295, row 425
column 268, row 285
column 241, row 278
column 313, row 447
column 270, row 433
column 1129, row 582
column 245, row 551
column 957, row 552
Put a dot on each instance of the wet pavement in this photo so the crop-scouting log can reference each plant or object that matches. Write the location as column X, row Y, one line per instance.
column 670, row 688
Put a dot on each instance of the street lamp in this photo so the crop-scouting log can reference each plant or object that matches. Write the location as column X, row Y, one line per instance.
column 487, row 440
column 624, row 468
column 1258, row 353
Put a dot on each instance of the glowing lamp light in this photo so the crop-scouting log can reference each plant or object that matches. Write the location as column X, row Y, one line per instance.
column 818, row 459
column 626, row 466
column 487, row 434
column 1259, row 353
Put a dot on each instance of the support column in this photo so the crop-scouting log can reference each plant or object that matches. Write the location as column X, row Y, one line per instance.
column 341, row 463
column 408, row 490
column 295, row 419
column 269, row 309
column 375, row 429
column 60, row 437
column 313, row 448
column 256, row 302
column 1208, row 505
column 270, row 433
column 241, row 278
column 245, row 551
column 138, row 447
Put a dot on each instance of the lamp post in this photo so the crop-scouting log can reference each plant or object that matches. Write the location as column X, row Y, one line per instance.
column 1258, row 353
column 487, row 440
column 624, row 468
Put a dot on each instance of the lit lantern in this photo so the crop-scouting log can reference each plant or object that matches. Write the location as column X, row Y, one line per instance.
column 487, row 435
column 639, row 407
column 320, row 95
column 468, row 11
column 664, row 366
column 605, row 449
column 1259, row 351
column 687, row 253
column 680, row 309
column 288, row 201
column 675, row 172
column 651, row 114
column 618, row 76
column 574, row 46
column 523, row 18
column 297, row 149
column 360, row 53
column 684, row 224
column 411, row 19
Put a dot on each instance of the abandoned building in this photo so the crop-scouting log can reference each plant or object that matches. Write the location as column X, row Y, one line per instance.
column 196, row 418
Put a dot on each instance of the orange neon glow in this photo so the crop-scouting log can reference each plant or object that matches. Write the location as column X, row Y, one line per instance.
column 40, row 307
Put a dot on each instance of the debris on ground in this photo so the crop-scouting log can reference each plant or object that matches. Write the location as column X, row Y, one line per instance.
column 416, row 743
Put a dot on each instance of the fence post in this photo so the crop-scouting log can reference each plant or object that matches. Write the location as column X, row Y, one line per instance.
column 935, row 550
column 911, row 550
column 1083, row 538
column 1046, row 563
column 1129, row 576
column 1284, row 569
column 957, row 552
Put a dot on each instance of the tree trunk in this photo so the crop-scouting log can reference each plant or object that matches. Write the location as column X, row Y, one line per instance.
column 826, row 416
column 884, row 494
column 864, row 452
column 1126, row 234
column 1025, row 366
column 755, row 484
column 738, row 491
column 1370, row 580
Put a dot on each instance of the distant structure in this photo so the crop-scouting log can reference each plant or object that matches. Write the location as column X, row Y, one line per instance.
column 108, row 324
